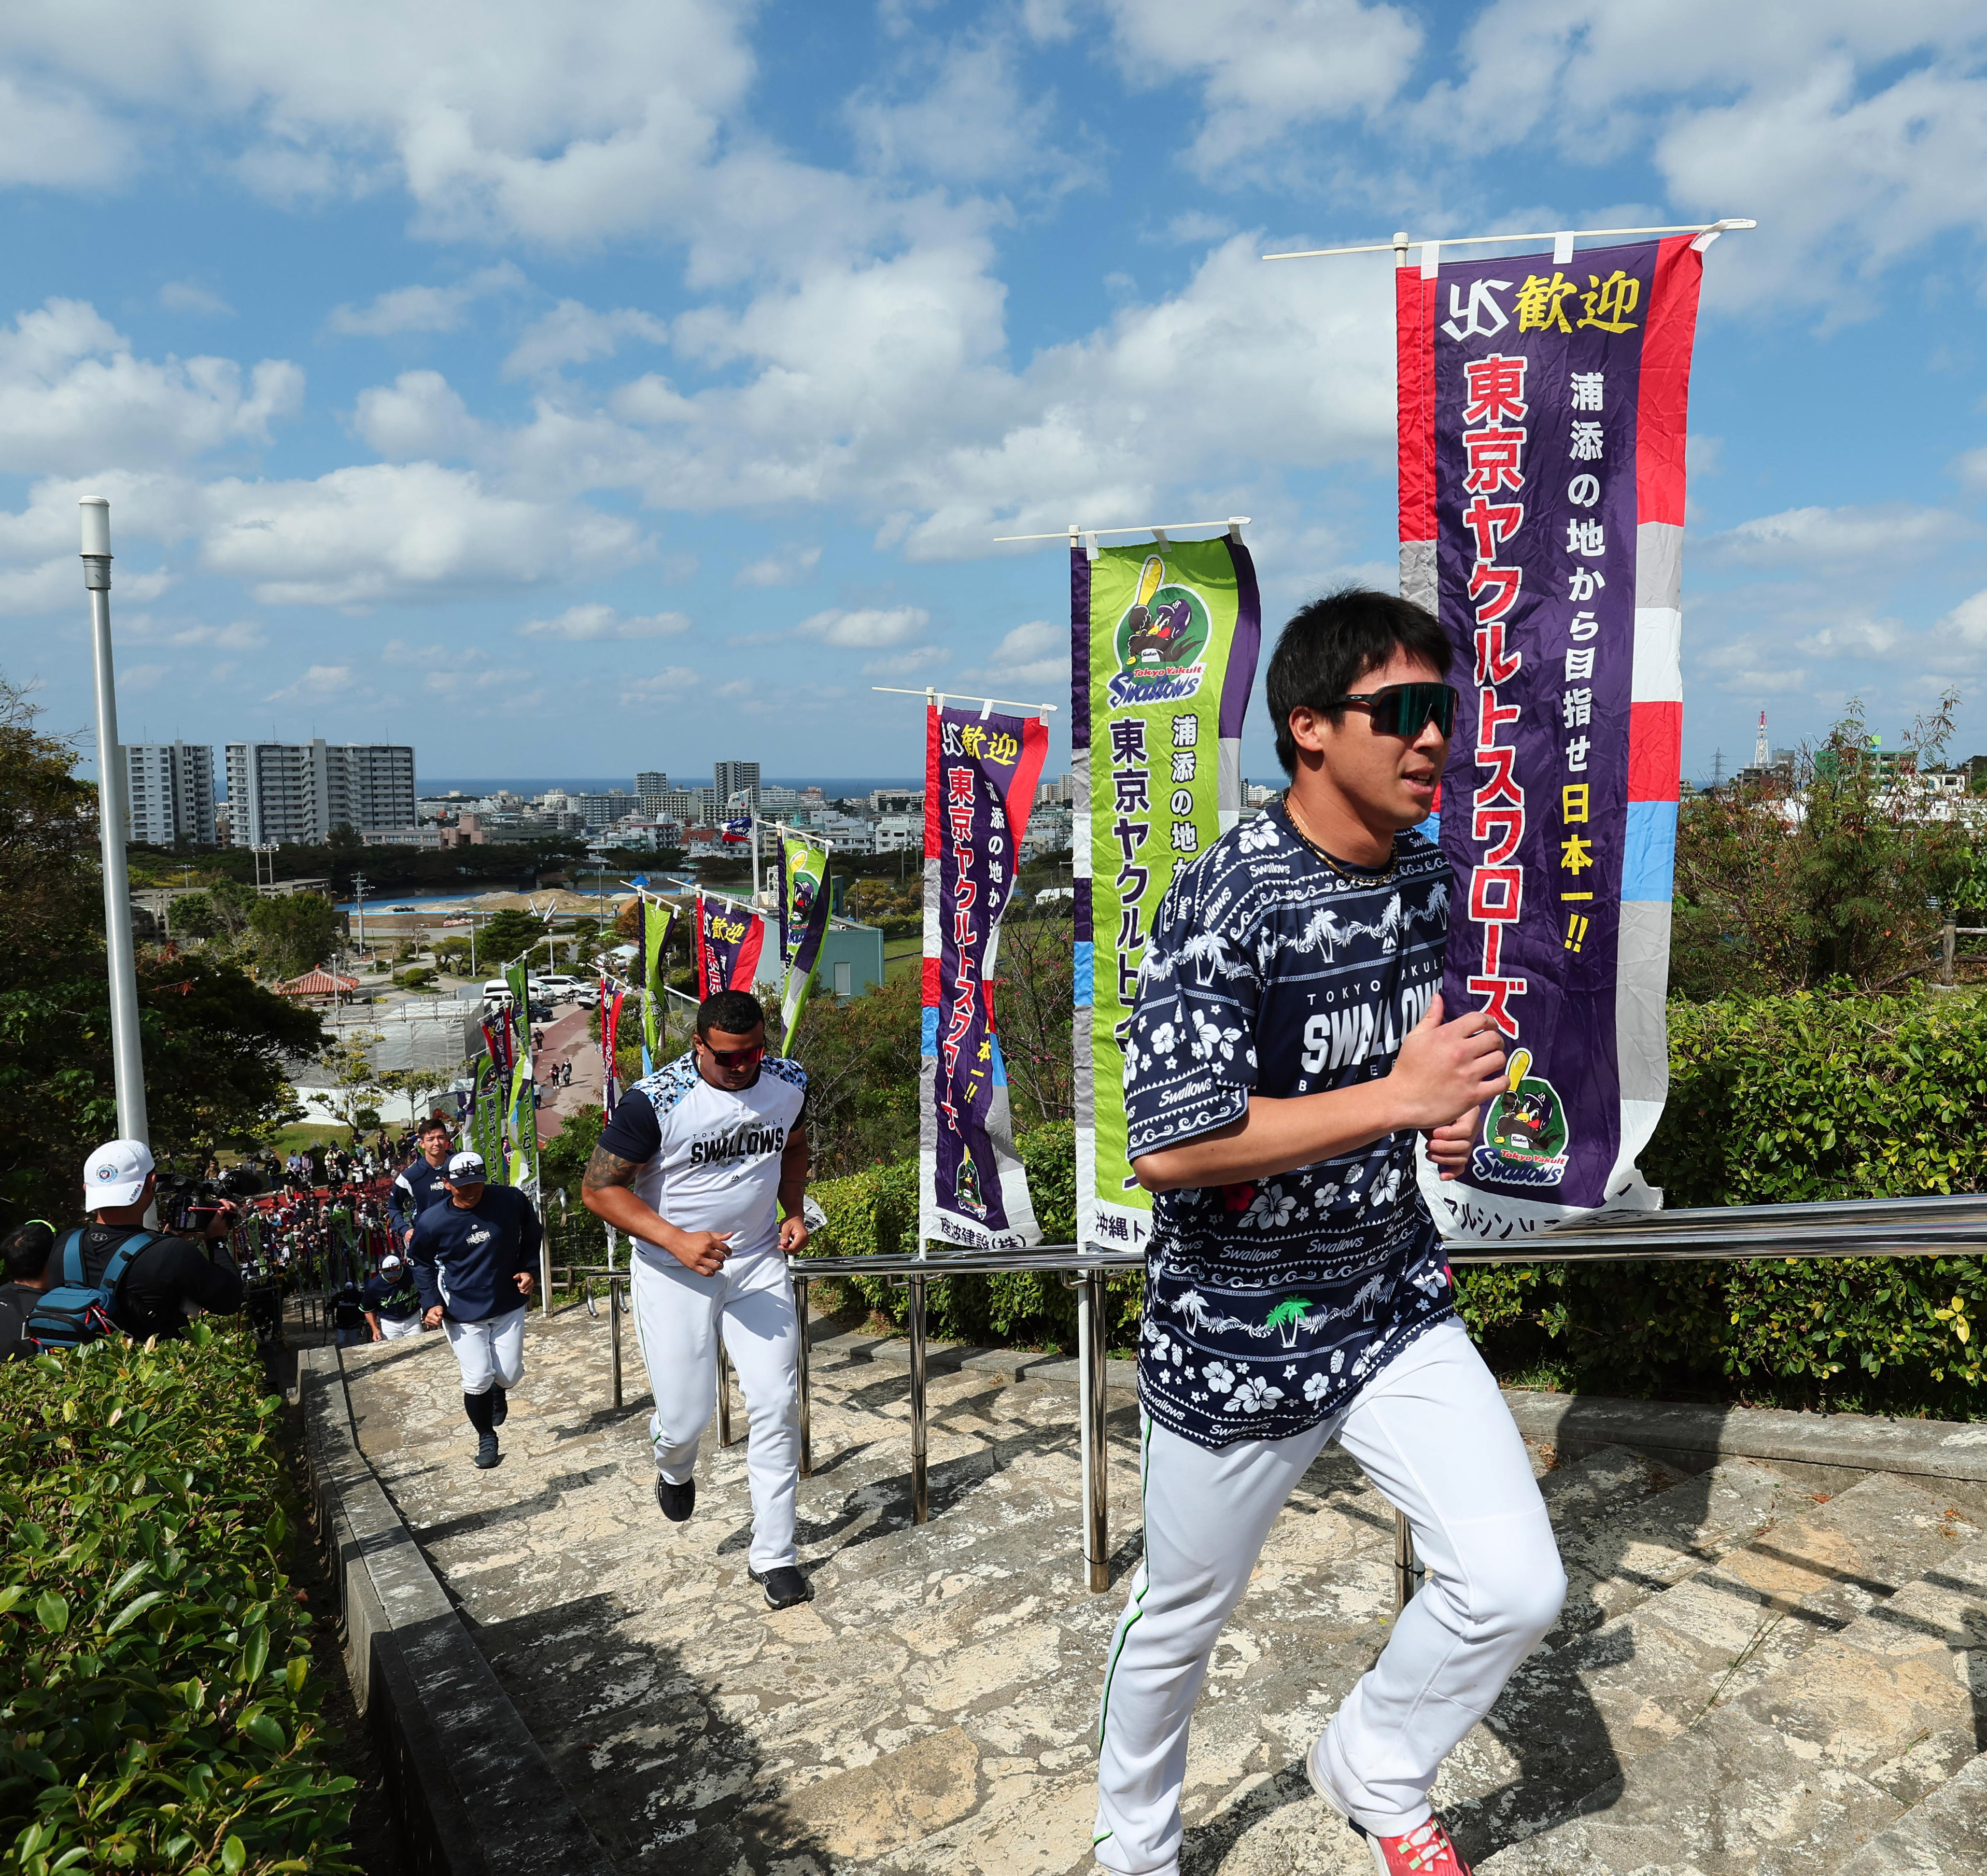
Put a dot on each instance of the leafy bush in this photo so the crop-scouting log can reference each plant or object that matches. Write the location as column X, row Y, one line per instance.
column 874, row 1213
column 157, row 1708
column 1778, row 1100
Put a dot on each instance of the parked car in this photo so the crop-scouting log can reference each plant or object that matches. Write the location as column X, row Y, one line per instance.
column 496, row 990
column 560, row 989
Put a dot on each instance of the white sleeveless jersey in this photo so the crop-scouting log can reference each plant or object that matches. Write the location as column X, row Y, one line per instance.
column 710, row 1156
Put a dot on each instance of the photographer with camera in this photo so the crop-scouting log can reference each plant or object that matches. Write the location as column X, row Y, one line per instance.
column 113, row 1273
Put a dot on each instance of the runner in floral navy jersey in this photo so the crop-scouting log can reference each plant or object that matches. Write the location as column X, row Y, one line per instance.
column 1287, row 1045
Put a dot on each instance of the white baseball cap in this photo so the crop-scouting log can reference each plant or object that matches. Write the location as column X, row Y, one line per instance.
column 466, row 1169
column 115, row 1174
column 389, row 1262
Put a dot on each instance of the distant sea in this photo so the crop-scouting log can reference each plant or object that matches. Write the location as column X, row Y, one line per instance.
column 529, row 785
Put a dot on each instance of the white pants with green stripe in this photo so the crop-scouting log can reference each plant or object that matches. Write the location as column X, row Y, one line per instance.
column 1433, row 1432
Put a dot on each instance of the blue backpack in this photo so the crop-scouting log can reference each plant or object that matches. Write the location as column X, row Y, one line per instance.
column 74, row 1310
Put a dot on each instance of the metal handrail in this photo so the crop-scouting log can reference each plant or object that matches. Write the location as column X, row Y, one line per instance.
column 1954, row 1224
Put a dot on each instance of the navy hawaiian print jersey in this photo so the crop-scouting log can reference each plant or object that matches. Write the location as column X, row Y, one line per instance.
column 1267, row 1305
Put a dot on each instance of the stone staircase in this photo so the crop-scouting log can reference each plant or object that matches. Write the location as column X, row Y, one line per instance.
column 1764, row 1665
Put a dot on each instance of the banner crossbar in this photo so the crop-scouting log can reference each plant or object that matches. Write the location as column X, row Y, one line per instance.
column 939, row 697
column 1157, row 527
column 1400, row 244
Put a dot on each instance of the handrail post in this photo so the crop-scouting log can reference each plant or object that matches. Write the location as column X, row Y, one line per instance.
column 1089, row 1336
column 723, row 1392
column 1947, row 935
column 614, row 1330
column 1406, row 1569
column 920, row 1492
column 806, row 1403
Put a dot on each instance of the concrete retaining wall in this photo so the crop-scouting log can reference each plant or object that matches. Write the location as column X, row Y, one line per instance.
column 474, row 1794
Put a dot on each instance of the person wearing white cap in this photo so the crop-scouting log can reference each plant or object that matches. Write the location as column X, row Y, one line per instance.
column 473, row 1263
column 392, row 1300
column 155, row 1282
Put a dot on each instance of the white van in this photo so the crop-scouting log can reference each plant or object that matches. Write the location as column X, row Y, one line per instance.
column 559, row 988
column 496, row 990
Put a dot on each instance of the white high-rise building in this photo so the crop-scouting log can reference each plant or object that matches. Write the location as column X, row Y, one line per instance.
column 731, row 778
column 169, row 793
column 650, row 786
column 300, row 793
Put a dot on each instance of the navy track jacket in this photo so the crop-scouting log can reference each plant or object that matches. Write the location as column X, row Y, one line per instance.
column 414, row 1188
column 465, row 1259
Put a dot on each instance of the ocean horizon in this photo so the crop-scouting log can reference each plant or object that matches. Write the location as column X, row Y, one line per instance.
column 428, row 787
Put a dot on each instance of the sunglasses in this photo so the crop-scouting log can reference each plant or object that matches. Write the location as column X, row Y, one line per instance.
column 1406, row 710
column 733, row 1058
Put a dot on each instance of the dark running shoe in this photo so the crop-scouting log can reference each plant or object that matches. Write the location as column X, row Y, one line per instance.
column 502, row 1411
column 784, row 1586
column 486, row 1451
column 677, row 1501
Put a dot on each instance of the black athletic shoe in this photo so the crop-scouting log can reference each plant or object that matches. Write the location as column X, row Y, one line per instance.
column 502, row 1411
column 784, row 1586
column 677, row 1501
column 486, row 1451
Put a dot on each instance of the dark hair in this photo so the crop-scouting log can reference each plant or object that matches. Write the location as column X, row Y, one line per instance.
column 430, row 1124
column 26, row 1249
column 1330, row 644
column 736, row 1013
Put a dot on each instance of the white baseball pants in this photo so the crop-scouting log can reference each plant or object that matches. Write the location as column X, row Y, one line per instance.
column 491, row 1351
column 392, row 1329
column 1433, row 1432
column 678, row 1317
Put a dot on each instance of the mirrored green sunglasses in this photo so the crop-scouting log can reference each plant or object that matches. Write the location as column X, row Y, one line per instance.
column 1403, row 709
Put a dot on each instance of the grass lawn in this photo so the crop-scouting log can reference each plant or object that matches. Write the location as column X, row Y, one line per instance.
column 902, row 957
column 309, row 1133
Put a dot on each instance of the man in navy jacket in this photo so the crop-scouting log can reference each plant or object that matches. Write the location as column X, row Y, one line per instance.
column 474, row 1259
column 422, row 1182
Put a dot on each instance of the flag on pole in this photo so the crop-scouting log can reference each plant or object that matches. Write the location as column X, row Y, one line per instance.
column 1163, row 643
column 739, row 829
column 657, row 916
column 804, row 902
column 980, row 771
column 611, row 995
column 1542, row 425
column 729, row 938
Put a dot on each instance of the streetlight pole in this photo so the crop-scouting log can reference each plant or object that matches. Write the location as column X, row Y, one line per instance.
column 127, row 1054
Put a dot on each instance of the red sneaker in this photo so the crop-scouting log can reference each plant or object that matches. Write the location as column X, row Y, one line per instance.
column 1426, row 1850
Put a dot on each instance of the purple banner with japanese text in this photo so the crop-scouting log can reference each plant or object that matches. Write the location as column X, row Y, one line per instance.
column 1543, row 419
column 981, row 772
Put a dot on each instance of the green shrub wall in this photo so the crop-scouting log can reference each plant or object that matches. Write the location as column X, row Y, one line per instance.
column 157, row 1707
column 1772, row 1100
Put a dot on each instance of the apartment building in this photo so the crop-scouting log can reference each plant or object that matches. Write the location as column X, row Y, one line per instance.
column 299, row 793
column 169, row 794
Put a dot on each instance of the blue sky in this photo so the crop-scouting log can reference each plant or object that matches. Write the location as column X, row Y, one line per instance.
column 576, row 390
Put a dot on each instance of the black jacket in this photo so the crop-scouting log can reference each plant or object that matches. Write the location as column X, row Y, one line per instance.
column 415, row 1188
column 163, row 1277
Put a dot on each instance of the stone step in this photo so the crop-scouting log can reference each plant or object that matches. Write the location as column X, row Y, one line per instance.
column 1750, row 1711
column 1944, row 1835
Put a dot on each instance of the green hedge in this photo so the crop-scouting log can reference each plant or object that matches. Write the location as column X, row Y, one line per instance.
column 157, row 1707
column 1772, row 1100
column 874, row 1213
column 1778, row 1100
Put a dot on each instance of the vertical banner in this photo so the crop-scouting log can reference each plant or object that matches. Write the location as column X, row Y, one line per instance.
column 804, row 901
column 1163, row 646
column 611, row 995
column 1542, row 491
column 981, row 772
column 729, row 938
column 657, row 916
column 521, row 1106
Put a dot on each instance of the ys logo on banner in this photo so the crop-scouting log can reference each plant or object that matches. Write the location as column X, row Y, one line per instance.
column 1161, row 640
column 1525, row 1132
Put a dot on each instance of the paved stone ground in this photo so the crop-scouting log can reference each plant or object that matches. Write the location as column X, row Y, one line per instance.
column 1773, row 1667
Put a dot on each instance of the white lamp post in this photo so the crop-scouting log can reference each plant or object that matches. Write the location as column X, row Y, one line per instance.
column 127, row 1058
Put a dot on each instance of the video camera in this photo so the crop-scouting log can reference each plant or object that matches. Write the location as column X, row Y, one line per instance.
column 189, row 1204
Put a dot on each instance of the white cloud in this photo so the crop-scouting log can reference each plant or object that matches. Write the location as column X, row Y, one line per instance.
column 420, row 415
column 362, row 534
column 665, row 683
column 904, row 663
column 1031, row 657
column 1806, row 536
column 319, row 681
column 240, row 635
column 581, row 622
column 1265, row 66
column 572, row 334
column 865, row 629
column 142, row 677
column 422, row 309
column 73, row 399
column 191, row 296
column 782, row 568
column 1969, row 618
column 53, row 138
column 1863, row 638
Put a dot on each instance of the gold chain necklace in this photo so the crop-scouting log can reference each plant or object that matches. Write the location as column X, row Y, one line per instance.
column 1343, row 872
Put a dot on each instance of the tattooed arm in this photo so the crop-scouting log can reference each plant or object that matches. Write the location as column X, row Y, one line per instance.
column 607, row 1190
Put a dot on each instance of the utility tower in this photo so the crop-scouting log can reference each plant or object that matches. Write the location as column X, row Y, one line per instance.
column 1762, row 753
